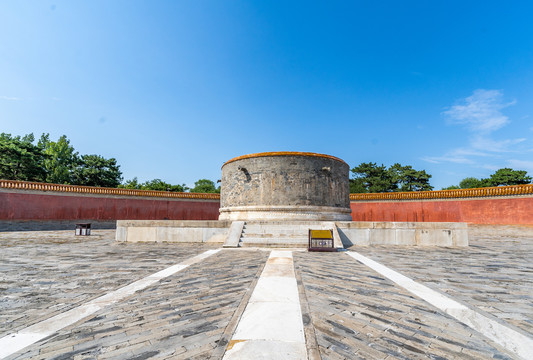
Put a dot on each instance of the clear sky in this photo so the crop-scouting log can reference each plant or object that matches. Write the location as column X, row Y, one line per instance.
column 172, row 89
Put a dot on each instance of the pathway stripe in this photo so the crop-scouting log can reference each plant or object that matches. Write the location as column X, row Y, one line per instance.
column 271, row 326
column 12, row 343
column 510, row 339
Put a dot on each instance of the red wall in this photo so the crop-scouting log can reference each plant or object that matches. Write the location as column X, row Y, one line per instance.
column 20, row 206
column 31, row 206
column 504, row 211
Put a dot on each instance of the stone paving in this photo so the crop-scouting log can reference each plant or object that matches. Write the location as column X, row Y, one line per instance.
column 349, row 311
column 358, row 314
column 48, row 274
column 494, row 274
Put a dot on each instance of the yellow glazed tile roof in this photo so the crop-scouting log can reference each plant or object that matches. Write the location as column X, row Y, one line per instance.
column 283, row 153
column 35, row 186
column 447, row 194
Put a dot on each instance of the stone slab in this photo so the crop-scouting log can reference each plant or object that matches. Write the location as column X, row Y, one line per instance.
column 403, row 233
column 266, row 350
column 184, row 231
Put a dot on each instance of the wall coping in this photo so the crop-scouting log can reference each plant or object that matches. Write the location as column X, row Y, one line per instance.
column 92, row 190
column 495, row 191
column 283, row 153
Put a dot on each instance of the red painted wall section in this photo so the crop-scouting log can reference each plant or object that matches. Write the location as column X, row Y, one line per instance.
column 502, row 211
column 31, row 206
column 20, row 206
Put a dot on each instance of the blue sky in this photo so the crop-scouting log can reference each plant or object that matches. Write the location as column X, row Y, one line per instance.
column 172, row 89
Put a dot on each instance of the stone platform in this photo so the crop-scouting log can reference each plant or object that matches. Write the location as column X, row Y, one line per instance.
column 197, row 301
column 276, row 233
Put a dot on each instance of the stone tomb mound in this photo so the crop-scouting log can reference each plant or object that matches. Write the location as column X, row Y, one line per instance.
column 285, row 186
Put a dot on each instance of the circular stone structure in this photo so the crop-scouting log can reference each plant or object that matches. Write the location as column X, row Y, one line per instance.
column 285, row 186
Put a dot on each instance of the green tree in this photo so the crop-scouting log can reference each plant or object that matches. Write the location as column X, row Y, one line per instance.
column 471, row 183
column 369, row 177
column 160, row 185
column 357, row 186
column 155, row 184
column 451, row 187
column 20, row 159
column 408, row 179
column 61, row 159
column 508, row 176
column 131, row 184
column 373, row 178
column 94, row 170
column 205, row 186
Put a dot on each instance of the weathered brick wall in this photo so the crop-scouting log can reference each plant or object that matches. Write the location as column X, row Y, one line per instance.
column 293, row 180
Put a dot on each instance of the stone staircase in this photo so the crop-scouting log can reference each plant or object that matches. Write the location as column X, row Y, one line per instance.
column 283, row 234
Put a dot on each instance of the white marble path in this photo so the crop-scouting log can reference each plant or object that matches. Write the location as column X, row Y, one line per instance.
column 271, row 326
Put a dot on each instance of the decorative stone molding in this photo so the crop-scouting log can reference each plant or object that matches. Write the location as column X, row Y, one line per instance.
column 36, row 186
column 287, row 213
column 512, row 190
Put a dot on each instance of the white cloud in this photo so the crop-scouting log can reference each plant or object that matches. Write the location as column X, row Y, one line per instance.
column 481, row 115
column 490, row 167
column 521, row 164
column 447, row 158
column 480, row 111
column 487, row 144
column 10, row 98
column 456, row 156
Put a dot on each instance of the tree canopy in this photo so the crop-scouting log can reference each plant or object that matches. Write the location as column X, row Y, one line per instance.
column 205, row 186
column 61, row 159
column 373, row 178
column 20, row 159
column 508, row 176
column 502, row 177
column 95, row 170
column 54, row 162
column 155, row 184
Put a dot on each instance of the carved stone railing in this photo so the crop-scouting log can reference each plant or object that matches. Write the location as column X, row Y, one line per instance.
column 91, row 190
column 447, row 194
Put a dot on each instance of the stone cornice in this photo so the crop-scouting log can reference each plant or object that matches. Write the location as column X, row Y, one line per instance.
column 91, row 190
column 282, row 153
column 496, row 191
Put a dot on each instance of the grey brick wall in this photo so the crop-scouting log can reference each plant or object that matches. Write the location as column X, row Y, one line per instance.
column 285, row 180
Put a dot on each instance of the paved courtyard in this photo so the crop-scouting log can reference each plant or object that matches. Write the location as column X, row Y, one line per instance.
column 188, row 301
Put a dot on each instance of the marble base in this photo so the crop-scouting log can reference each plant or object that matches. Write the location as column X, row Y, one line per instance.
column 285, row 213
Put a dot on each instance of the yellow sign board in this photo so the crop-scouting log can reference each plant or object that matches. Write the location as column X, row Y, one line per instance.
column 321, row 234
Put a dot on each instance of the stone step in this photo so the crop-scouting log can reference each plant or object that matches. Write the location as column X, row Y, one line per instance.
column 280, row 235
column 284, row 223
column 273, row 242
column 277, row 230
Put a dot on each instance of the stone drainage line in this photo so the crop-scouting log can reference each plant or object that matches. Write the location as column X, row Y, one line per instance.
column 271, row 326
column 12, row 343
column 512, row 340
